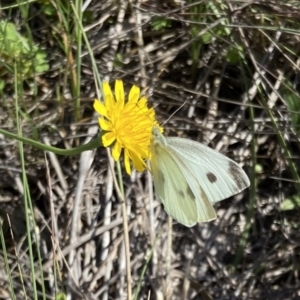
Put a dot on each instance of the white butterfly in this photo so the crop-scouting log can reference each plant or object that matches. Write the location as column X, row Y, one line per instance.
column 190, row 177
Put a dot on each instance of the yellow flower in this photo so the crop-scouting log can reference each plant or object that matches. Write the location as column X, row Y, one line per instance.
column 127, row 124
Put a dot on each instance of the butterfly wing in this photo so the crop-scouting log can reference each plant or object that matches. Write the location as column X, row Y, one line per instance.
column 219, row 176
column 182, row 196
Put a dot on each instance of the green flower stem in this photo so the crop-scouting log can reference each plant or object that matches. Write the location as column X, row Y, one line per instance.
column 94, row 143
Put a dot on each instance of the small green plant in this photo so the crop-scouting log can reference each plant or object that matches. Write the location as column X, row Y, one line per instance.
column 207, row 13
column 15, row 49
column 290, row 203
column 159, row 23
column 118, row 61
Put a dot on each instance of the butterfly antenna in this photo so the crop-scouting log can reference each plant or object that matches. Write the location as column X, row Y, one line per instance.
column 175, row 112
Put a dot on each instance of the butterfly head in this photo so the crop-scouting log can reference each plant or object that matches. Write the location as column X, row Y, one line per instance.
column 157, row 136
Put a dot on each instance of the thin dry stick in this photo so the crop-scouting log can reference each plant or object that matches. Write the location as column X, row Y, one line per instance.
column 107, row 219
column 169, row 256
column 152, row 222
column 127, row 249
column 20, row 272
column 115, row 42
column 54, row 227
column 139, row 39
column 126, row 233
column 86, row 160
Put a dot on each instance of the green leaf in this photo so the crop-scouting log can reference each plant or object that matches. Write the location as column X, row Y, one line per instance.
column 235, row 54
column 290, row 203
column 15, row 47
column 159, row 23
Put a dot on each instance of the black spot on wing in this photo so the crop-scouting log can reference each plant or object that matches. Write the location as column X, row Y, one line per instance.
column 190, row 193
column 211, row 177
column 235, row 173
column 181, row 193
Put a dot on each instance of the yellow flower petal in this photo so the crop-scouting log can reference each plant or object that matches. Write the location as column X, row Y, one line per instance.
column 105, row 125
column 116, row 152
column 100, row 108
column 107, row 90
column 143, row 102
column 108, row 138
column 137, row 162
column 119, row 93
column 108, row 98
column 127, row 162
column 134, row 94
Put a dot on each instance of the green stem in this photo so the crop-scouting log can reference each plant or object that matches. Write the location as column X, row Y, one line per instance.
column 94, row 143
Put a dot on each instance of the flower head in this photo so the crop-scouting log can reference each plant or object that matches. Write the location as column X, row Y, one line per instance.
column 127, row 124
